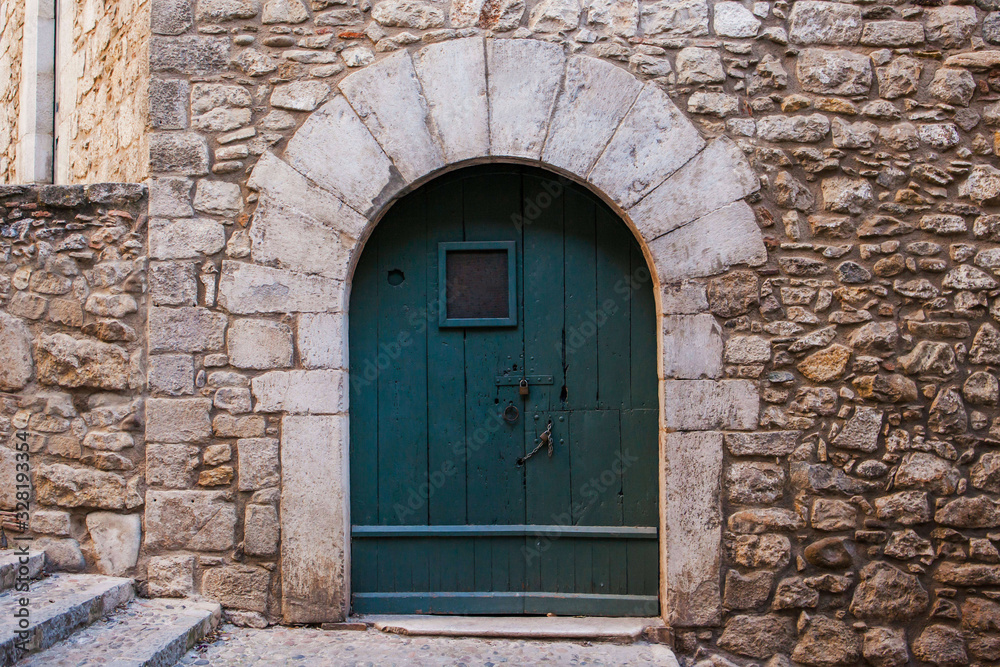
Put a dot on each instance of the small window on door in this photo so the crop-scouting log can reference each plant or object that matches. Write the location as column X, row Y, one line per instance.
column 477, row 282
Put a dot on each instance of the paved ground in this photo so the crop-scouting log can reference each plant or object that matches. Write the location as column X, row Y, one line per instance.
column 306, row 647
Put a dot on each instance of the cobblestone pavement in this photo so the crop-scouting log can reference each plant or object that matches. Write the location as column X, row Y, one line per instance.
column 306, row 646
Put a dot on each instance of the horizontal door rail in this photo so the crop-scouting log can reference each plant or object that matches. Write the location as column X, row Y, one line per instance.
column 619, row 532
column 493, row 603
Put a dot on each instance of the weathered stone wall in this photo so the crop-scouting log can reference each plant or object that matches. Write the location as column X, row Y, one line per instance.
column 72, row 329
column 103, row 90
column 11, row 43
column 861, row 517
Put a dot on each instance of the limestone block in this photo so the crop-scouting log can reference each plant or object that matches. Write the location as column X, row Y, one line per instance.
column 195, row 520
column 692, row 347
column 675, row 18
column 408, row 14
column 260, row 530
column 219, row 11
column 950, row 26
column 499, row 16
column 189, row 54
column 892, row 34
column 259, row 344
column 178, row 419
column 246, row 289
column 320, row 340
column 619, row 17
column 80, row 362
column 653, row 141
column 173, row 283
column 834, row 72
column 170, row 197
column 233, row 399
column 238, row 586
column 595, row 97
column 50, row 522
column 691, row 405
column 185, row 238
column 108, row 441
column 178, row 152
column 168, row 104
column 228, row 426
column 171, row 466
column 301, row 392
column 288, row 190
column 732, row 19
column 278, row 236
column 171, row 17
column 523, row 78
column 185, row 330
column 16, row 366
column 258, row 463
column 762, row 443
column 388, row 99
column 710, row 245
column 699, row 65
column 693, row 527
column 65, row 486
column 717, row 176
column 116, row 538
column 453, row 77
column 170, row 576
column 825, row 23
column 218, row 198
column 555, row 16
column 284, row 11
column 314, row 510
column 61, row 554
column 110, row 305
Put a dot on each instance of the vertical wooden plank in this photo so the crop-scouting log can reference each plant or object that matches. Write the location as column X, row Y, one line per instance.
column 642, row 333
column 581, row 312
column 402, row 356
column 613, row 306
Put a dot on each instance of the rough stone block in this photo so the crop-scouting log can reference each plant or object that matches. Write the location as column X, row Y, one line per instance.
column 825, row 23
column 238, row 586
column 320, row 340
column 453, row 78
column 322, row 392
column 595, row 97
column 195, row 520
column 50, row 522
column 675, row 18
column 260, row 530
column 710, row 245
column 716, row 177
column 80, row 362
column 218, row 198
column 524, row 77
column 168, row 107
column 173, row 283
column 185, row 238
column 653, row 141
column 186, row 330
column 763, row 443
column 16, row 364
column 171, row 466
column 170, row 17
column 314, row 525
column 246, row 289
column 182, row 153
column 693, row 527
column 259, row 344
column 388, row 98
column 280, row 236
column 228, row 426
column 170, row 197
column 116, row 538
column 332, row 131
column 831, row 72
column 189, row 54
column 258, row 463
column 65, row 486
column 170, row 576
column 699, row 405
column 178, row 419
column 692, row 347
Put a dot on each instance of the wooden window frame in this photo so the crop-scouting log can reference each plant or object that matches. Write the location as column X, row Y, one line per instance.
column 454, row 322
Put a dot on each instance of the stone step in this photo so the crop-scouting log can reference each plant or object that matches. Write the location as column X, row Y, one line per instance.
column 144, row 633
column 594, row 628
column 58, row 605
column 10, row 562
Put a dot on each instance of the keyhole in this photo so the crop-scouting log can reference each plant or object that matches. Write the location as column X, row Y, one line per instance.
column 396, row 277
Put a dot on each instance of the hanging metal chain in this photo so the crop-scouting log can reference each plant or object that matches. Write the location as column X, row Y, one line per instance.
column 545, row 439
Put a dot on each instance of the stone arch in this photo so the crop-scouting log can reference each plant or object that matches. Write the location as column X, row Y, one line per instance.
column 411, row 116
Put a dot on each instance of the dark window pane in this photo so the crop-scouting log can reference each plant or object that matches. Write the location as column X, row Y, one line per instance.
column 477, row 284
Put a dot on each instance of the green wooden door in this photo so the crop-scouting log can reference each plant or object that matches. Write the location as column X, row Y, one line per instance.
column 446, row 517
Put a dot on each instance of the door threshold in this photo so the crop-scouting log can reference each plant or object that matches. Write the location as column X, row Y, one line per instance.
column 588, row 628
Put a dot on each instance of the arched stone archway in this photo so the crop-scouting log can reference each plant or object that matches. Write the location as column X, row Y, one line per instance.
column 404, row 120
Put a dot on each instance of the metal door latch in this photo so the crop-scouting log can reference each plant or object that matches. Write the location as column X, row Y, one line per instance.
column 544, row 440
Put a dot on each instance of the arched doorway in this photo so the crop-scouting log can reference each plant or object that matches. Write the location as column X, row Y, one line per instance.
column 544, row 336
